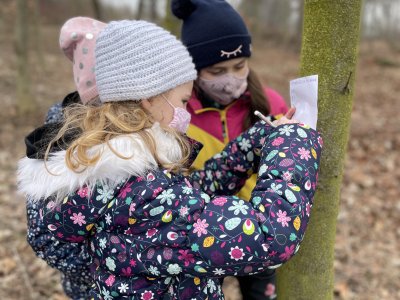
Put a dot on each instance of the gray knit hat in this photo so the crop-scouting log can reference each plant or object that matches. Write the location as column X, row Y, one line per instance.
column 137, row 60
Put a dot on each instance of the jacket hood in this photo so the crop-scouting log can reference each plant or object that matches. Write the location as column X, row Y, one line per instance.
column 38, row 179
column 36, row 142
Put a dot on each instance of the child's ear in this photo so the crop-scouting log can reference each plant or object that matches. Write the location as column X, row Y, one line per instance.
column 146, row 104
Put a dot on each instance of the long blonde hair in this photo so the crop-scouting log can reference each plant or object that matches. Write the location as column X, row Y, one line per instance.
column 98, row 124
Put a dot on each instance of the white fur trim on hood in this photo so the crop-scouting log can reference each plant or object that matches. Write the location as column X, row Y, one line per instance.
column 37, row 183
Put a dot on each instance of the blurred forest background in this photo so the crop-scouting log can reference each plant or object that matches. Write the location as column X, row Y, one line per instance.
column 34, row 74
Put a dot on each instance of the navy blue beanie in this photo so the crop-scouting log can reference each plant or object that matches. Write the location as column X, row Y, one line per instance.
column 212, row 31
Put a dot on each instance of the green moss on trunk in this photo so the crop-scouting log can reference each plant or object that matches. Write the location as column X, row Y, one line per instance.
column 329, row 49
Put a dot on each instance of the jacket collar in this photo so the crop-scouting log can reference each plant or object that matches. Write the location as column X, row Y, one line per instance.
column 196, row 148
column 36, row 142
column 35, row 181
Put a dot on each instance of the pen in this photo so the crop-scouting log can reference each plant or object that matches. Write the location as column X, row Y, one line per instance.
column 264, row 118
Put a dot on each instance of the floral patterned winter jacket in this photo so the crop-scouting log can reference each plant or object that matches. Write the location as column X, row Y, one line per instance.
column 155, row 235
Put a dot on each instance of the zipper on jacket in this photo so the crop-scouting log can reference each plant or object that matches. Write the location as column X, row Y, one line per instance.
column 223, row 130
column 225, row 134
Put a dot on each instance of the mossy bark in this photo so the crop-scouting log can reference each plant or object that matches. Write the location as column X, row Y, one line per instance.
column 329, row 48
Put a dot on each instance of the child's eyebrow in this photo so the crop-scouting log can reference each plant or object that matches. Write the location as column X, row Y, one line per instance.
column 240, row 62
column 215, row 68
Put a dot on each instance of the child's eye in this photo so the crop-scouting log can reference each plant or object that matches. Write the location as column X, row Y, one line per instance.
column 239, row 67
column 216, row 72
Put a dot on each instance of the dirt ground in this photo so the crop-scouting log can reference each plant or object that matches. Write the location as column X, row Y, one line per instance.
column 367, row 263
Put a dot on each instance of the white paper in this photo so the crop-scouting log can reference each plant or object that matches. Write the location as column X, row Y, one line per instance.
column 304, row 96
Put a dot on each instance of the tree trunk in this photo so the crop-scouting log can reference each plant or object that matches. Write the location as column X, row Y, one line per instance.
column 299, row 25
column 171, row 23
column 251, row 11
column 38, row 36
column 140, row 10
column 24, row 99
column 330, row 48
column 97, row 9
column 153, row 11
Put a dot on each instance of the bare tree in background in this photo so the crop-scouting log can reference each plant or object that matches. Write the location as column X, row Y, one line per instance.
column 299, row 24
column 37, row 33
column 390, row 9
column 24, row 98
column 140, row 10
column 97, row 9
column 170, row 22
column 273, row 19
column 330, row 48
column 77, row 6
column 250, row 13
column 153, row 10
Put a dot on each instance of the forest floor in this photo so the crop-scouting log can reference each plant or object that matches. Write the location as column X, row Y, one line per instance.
column 367, row 259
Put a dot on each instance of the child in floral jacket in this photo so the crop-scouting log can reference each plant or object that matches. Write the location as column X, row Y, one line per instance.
column 72, row 260
column 119, row 187
column 77, row 40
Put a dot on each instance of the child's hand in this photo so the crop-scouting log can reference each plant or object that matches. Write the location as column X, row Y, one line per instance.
column 287, row 118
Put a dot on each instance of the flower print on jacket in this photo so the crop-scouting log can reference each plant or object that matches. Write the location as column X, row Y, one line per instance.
column 104, row 194
column 208, row 232
column 236, row 253
column 78, row 219
column 245, row 144
column 283, row 219
column 200, row 227
column 239, row 207
column 304, row 154
column 166, row 196
column 286, row 130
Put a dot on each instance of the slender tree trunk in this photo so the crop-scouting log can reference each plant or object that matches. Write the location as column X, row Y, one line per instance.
column 153, row 11
column 330, row 48
column 77, row 6
column 299, row 25
column 37, row 34
column 24, row 98
column 251, row 11
column 140, row 10
column 170, row 22
column 97, row 9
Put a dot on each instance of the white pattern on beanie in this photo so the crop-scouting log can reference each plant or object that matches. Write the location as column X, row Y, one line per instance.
column 137, row 60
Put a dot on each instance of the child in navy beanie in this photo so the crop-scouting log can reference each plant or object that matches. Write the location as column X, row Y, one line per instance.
column 212, row 31
column 226, row 93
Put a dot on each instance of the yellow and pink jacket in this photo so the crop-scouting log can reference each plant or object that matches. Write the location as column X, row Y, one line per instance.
column 214, row 127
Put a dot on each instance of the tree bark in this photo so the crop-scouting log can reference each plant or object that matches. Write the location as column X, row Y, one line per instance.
column 24, row 99
column 37, row 34
column 97, row 9
column 251, row 11
column 153, row 11
column 171, row 23
column 330, row 47
column 299, row 25
column 140, row 10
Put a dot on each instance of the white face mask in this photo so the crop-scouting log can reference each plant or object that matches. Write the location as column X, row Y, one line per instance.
column 225, row 88
column 181, row 119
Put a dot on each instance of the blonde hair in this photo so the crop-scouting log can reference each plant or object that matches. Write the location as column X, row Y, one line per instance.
column 97, row 124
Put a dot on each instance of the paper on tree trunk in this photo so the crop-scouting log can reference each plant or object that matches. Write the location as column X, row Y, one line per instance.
column 304, row 96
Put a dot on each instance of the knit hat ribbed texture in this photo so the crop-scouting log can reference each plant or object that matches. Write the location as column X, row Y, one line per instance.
column 137, row 60
column 77, row 40
column 212, row 30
